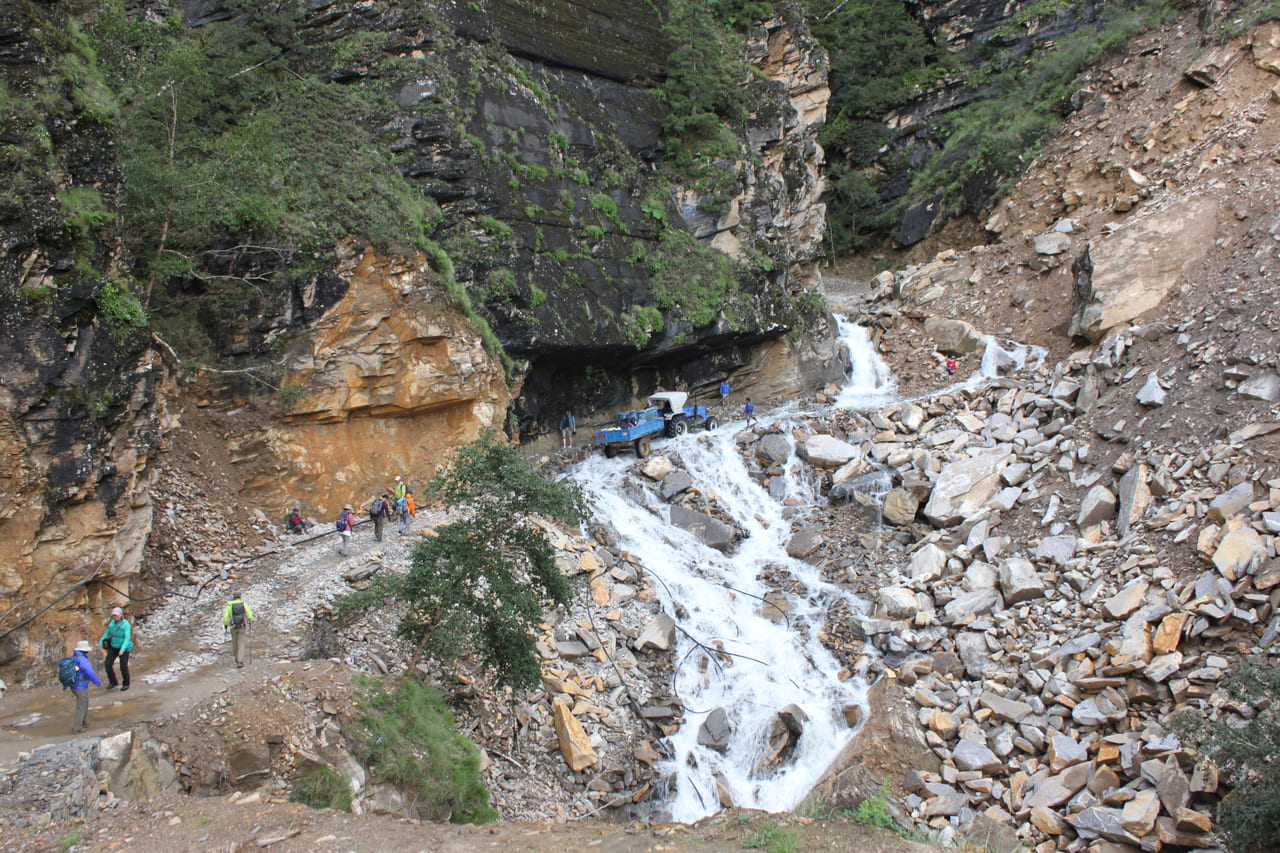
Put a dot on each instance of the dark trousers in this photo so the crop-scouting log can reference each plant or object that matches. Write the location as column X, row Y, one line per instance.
column 378, row 521
column 112, row 654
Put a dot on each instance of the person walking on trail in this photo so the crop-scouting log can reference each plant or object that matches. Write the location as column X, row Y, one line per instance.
column 296, row 523
column 76, row 674
column 379, row 511
column 237, row 615
column 399, row 490
column 568, row 429
column 725, row 391
column 346, row 522
column 411, row 503
column 403, row 514
column 117, row 642
column 749, row 411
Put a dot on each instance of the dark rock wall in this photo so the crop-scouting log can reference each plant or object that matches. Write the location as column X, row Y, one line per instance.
column 82, row 396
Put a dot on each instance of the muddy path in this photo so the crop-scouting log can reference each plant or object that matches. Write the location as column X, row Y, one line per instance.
column 183, row 652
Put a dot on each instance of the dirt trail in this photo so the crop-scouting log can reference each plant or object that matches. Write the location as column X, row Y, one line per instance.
column 183, row 655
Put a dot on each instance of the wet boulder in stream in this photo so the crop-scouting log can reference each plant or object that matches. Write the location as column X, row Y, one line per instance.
column 713, row 532
column 826, row 451
column 715, row 730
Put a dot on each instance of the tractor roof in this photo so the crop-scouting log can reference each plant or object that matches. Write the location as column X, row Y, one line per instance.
column 675, row 398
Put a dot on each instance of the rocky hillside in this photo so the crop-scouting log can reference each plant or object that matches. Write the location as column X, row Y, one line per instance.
column 375, row 231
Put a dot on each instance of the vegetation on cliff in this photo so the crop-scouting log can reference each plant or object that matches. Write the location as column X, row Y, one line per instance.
column 1011, row 89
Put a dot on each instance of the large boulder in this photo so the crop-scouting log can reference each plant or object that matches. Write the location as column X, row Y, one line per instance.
column 713, row 532
column 965, row 486
column 1122, row 276
column 954, row 337
column 826, row 451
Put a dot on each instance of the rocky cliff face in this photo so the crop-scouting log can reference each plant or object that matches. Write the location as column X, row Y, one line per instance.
column 83, row 400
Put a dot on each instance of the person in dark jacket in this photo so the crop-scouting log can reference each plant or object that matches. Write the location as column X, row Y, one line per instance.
column 379, row 511
column 117, row 641
column 84, row 677
column 568, row 429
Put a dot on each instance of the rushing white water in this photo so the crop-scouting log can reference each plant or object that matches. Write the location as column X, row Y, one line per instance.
column 729, row 654
column 870, row 381
column 716, row 601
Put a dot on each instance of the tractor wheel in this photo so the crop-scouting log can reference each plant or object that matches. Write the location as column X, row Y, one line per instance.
column 642, row 448
column 610, row 451
column 677, row 427
column 710, row 424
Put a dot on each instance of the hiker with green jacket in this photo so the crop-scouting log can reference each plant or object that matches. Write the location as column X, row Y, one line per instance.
column 237, row 615
column 117, row 642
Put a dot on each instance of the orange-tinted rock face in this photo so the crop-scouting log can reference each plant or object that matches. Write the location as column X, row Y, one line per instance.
column 395, row 377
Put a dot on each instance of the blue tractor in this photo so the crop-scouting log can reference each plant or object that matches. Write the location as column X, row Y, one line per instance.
column 666, row 414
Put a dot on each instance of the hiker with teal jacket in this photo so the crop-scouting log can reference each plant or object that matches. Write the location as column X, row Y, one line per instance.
column 117, row 642
column 78, row 680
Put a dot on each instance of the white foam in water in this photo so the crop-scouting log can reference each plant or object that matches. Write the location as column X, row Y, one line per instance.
column 772, row 664
column 870, row 380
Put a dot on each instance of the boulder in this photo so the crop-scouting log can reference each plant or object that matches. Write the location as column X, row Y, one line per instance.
column 660, row 634
column 803, row 543
column 656, row 467
column 1238, row 550
column 1052, row 243
column 825, row 451
column 1231, row 502
column 1135, row 496
column 1152, row 393
column 713, row 532
column 927, row 563
column 1056, row 549
column 965, row 486
column 1128, row 273
column 1126, row 600
column 715, row 731
column 674, row 483
column 972, row 603
column 773, row 449
column 575, row 746
column 900, row 507
column 897, row 602
column 1263, row 386
column 1097, row 506
column 1019, row 581
column 971, row 754
column 954, row 337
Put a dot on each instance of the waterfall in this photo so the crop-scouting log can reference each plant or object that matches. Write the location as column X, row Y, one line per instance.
column 733, row 662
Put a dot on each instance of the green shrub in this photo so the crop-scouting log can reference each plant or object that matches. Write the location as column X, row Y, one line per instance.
column 84, row 209
column 604, row 204
column 1248, row 754
column 407, row 737
column 874, row 811
column 290, row 395
column 120, row 305
column 323, row 788
column 773, row 839
column 639, row 322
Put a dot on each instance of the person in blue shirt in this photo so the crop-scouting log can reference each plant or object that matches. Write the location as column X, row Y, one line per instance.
column 84, row 677
column 749, row 411
column 568, row 429
column 117, row 641
column 725, row 390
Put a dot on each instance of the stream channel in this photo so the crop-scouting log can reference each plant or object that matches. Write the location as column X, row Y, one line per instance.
column 739, row 662
column 715, row 599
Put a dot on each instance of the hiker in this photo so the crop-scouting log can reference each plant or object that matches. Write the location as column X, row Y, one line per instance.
column 403, row 514
column 296, row 523
column 76, row 673
column 568, row 429
column 399, row 490
column 952, row 364
column 346, row 522
column 379, row 511
column 412, row 503
column 117, row 641
column 237, row 615
column 725, row 390
column 749, row 410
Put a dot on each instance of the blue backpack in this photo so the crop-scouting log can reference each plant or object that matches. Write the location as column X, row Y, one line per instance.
column 68, row 670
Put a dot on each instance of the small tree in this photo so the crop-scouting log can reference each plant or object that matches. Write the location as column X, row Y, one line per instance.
column 480, row 583
column 1248, row 753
